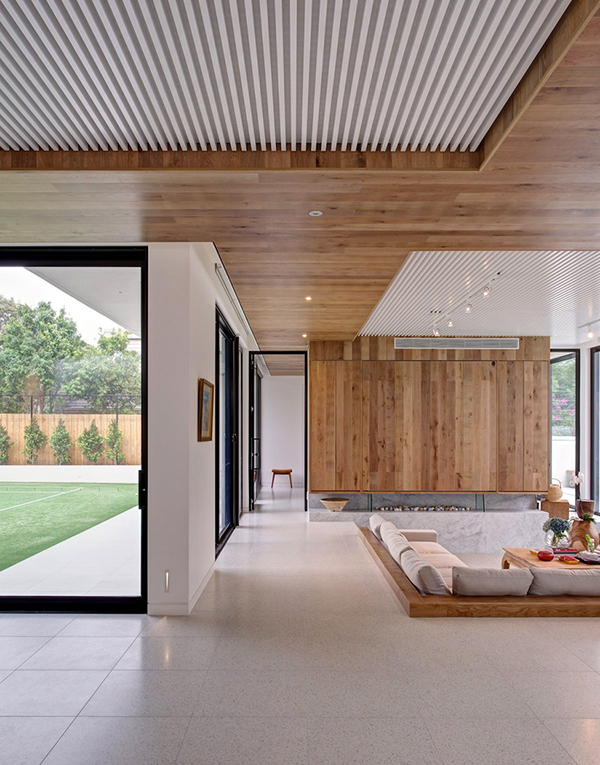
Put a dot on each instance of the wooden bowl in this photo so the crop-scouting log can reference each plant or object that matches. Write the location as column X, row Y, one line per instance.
column 335, row 504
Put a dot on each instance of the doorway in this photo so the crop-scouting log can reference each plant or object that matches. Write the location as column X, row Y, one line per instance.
column 73, row 425
column 227, row 402
column 278, row 367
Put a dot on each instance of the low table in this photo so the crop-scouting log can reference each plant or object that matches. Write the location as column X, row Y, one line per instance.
column 520, row 557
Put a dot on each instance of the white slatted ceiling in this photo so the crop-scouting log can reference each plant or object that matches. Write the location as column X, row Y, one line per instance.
column 533, row 293
column 262, row 74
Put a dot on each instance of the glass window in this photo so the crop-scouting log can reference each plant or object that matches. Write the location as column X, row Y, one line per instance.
column 595, row 461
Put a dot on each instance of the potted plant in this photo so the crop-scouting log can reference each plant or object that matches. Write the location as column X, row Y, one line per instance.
column 557, row 532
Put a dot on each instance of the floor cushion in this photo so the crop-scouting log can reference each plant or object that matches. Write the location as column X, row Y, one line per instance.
column 491, row 581
column 425, row 577
column 549, row 581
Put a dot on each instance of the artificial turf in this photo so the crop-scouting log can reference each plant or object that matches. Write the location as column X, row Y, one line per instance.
column 36, row 516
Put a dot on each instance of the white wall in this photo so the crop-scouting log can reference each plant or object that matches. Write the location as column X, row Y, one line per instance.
column 282, row 434
column 183, row 291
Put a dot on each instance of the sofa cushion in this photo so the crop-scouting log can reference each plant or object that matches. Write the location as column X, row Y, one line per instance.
column 443, row 560
column 490, row 581
column 549, row 581
column 397, row 545
column 424, row 548
column 375, row 522
column 389, row 532
column 425, row 577
column 420, row 535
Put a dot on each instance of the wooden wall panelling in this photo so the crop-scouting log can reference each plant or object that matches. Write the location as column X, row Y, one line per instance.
column 510, row 425
column 348, row 425
column 322, row 425
column 462, row 426
column 395, row 433
column 536, row 425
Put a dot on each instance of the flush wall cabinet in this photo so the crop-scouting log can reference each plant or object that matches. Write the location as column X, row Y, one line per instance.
column 418, row 421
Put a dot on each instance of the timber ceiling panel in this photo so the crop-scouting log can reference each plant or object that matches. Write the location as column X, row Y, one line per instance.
column 540, row 191
column 509, row 293
column 158, row 74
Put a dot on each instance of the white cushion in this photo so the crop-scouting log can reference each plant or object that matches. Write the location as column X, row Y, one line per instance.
column 389, row 532
column 375, row 522
column 425, row 548
column 420, row 535
column 396, row 545
column 490, row 581
column 551, row 581
column 443, row 560
column 425, row 577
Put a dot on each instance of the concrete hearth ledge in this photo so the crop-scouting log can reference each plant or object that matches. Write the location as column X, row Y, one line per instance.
column 459, row 532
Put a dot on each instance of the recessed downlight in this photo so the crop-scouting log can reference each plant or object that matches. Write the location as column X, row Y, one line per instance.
column 304, row 335
column 450, row 323
column 468, row 308
column 315, row 213
column 436, row 332
column 308, row 297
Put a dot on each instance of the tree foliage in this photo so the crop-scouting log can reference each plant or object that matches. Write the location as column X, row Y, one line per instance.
column 91, row 443
column 8, row 309
column 5, row 444
column 60, row 441
column 35, row 439
column 563, row 397
column 113, row 441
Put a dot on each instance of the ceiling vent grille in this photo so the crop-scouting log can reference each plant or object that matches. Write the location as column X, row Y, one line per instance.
column 457, row 343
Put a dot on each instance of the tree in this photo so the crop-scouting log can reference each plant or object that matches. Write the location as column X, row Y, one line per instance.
column 108, row 376
column 60, row 441
column 5, row 444
column 91, row 443
column 8, row 309
column 113, row 442
column 563, row 380
column 35, row 439
column 34, row 346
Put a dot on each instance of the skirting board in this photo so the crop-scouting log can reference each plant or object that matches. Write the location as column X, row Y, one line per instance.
column 180, row 609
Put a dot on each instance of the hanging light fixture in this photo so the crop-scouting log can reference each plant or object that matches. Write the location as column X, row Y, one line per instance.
column 589, row 334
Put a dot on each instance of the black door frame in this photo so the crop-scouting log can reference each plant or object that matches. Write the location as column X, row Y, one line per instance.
column 576, row 354
column 594, row 426
column 78, row 256
column 252, row 355
column 221, row 324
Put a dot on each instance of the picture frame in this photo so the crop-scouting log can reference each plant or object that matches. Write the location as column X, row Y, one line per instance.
column 206, row 402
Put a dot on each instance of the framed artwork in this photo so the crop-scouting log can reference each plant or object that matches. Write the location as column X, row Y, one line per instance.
column 206, row 398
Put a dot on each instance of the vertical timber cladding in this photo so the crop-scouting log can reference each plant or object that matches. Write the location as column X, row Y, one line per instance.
column 429, row 420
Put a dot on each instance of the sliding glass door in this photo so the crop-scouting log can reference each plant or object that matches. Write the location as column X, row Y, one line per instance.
column 72, row 428
column 227, row 406
column 564, row 383
column 595, row 427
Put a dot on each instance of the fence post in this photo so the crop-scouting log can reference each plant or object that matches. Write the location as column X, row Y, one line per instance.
column 31, row 407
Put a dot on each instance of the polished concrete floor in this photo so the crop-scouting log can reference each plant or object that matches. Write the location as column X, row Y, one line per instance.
column 297, row 654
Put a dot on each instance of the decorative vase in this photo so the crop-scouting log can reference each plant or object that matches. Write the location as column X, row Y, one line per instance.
column 557, row 540
column 555, row 491
column 585, row 507
column 579, row 530
column 335, row 504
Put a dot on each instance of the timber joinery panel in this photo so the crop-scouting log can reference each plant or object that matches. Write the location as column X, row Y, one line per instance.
column 510, row 426
column 536, row 425
column 322, row 425
column 348, row 425
column 395, row 438
column 462, row 426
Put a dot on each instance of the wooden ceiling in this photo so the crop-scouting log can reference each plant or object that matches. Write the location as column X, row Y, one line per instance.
column 541, row 190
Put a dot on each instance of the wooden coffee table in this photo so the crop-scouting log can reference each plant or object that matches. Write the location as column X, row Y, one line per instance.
column 520, row 557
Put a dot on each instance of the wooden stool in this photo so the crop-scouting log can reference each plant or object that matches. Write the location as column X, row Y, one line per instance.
column 282, row 472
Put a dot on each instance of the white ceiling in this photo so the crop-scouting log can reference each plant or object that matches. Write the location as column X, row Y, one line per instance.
column 113, row 292
column 533, row 293
column 255, row 74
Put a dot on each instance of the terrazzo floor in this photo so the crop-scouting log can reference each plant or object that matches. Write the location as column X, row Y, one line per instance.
column 297, row 654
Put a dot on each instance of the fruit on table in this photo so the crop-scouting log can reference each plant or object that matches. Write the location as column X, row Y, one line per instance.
column 545, row 555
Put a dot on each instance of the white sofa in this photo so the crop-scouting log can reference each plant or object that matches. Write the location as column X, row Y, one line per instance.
column 433, row 570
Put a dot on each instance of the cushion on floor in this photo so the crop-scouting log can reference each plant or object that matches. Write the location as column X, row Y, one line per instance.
column 425, row 577
column 548, row 581
column 490, row 581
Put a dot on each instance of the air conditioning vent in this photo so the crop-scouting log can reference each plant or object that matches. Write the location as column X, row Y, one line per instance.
column 457, row 343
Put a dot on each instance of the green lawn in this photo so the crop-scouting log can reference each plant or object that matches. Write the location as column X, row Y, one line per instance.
column 36, row 516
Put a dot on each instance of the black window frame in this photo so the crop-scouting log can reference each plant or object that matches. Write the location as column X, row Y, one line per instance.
column 595, row 426
column 94, row 256
column 576, row 354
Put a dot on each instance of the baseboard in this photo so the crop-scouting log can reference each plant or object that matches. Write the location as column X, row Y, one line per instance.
column 180, row 609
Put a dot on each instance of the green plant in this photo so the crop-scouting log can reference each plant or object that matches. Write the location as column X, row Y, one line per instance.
column 588, row 517
column 91, row 443
column 35, row 439
column 113, row 442
column 60, row 441
column 5, row 444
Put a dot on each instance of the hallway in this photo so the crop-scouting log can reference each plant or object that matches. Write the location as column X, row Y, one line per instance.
column 297, row 654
